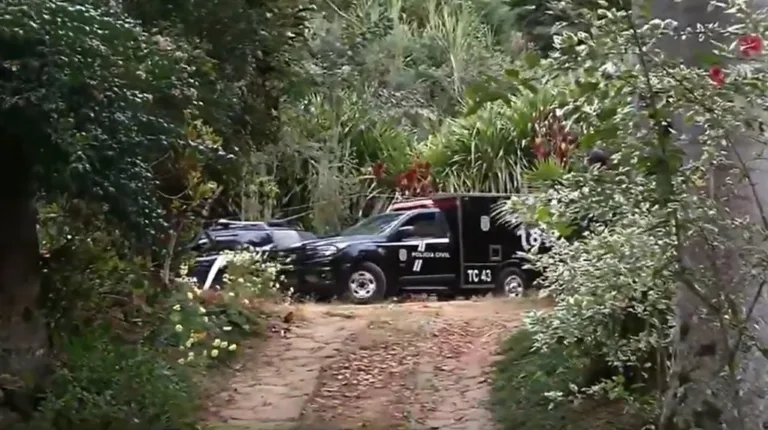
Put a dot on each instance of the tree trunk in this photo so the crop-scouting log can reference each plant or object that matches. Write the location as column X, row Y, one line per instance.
column 711, row 385
column 24, row 346
column 704, row 393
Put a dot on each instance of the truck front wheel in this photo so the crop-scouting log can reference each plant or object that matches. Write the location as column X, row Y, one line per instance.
column 366, row 284
column 511, row 282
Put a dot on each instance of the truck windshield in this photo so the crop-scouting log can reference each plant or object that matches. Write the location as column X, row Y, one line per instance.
column 286, row 238
column 374, row 225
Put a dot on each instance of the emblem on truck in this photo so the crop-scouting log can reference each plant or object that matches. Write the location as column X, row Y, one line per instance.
column 485, row 223
column 403, row 255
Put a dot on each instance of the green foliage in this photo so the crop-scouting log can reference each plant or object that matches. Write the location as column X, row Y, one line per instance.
column 380, row 78
column 488, row 151
column 420, row 57
column 89, row 266
column 542, row 21
column 253, row 64
column 545, row 172
column 327, row 152
column 117, row 335
column 117, row 129
column 640, row 219
column 208, row 325
column 613, row 296
column 525, row 379
column 94, row 100
column 104, row 384
column 613, row 287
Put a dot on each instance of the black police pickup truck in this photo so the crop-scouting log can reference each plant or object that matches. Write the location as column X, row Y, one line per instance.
column 226, row 235
column 448, row 244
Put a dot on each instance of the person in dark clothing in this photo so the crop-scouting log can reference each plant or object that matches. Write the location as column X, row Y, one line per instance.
column 598, row 157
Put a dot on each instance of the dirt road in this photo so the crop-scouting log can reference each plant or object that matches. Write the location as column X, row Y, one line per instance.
column 419, row 365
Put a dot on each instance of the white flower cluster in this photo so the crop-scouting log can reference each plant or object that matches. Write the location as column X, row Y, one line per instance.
column 250, row 269
column 241, row 257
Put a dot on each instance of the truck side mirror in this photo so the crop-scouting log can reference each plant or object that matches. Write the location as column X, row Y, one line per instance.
column 403, row 232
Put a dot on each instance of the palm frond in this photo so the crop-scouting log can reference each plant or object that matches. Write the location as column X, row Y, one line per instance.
column 488, row 151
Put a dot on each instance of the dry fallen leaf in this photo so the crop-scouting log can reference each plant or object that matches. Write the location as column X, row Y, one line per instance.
column 288, row 318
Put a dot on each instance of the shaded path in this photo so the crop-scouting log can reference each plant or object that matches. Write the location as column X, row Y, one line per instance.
column 424, row 365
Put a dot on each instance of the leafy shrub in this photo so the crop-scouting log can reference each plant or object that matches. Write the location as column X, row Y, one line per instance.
column 617, row 271
column 613, row 287
column 106, row 384
column 524, row 380
column 489, row 150
column 90, row 268
column 127, row 344
column 205, row 325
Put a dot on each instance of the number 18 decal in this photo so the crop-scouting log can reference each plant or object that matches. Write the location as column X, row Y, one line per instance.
column 530, row 238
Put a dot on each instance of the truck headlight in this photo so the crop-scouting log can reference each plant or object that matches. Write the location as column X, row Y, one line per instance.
column 326, row 251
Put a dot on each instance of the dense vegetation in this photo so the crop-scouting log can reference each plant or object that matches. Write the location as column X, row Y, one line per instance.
column 653, row 225
column 128, row 124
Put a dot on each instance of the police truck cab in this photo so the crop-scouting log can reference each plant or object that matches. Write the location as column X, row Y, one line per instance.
column 447, row 244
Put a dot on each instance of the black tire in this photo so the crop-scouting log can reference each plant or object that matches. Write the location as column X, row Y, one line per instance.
column 446, row 297
column 511, row 274
column 365, row 272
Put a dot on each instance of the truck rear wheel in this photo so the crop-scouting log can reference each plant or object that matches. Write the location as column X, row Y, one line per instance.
column 511, row 282
column 366, row 284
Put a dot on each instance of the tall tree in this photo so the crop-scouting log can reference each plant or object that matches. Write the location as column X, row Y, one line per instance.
column 89, row 102
column 713, row 386
column 253, row 45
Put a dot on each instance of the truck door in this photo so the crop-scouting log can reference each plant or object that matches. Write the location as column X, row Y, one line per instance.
column 488, row 243
column 483, row 242
column 425, row 256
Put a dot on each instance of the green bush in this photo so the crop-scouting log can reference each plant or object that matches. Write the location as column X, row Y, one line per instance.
column 104, row 384
column 526, row 378
column 489, row 150
column 205, row 326
column 129, row 347
column 614, row 287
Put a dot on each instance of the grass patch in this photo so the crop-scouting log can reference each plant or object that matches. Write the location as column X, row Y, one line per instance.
column 523, row 377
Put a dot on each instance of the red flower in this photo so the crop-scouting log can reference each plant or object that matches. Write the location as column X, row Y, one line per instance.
column 378, row 170
column 717, row 76
column 750, row 45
